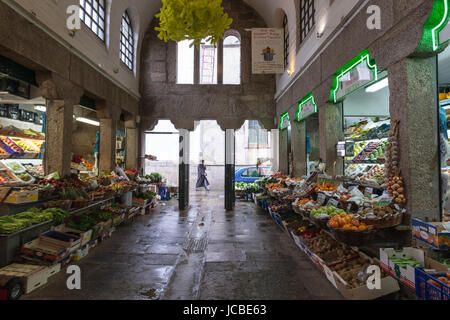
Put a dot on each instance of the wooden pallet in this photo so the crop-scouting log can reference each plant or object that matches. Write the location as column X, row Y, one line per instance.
column 33, row 276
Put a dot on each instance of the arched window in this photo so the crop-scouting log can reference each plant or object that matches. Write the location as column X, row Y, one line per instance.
column 185, row 62
column 208, row 63
column 231, row 60
column 286, row 41
column 92, row 13
column 127, row 41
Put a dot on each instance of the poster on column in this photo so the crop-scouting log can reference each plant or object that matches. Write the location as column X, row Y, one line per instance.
column 267, row 51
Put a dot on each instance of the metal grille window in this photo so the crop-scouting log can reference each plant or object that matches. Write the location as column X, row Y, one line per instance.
column 307, row 18
column 127, row 41
column 92, row 13
column 286, row 41
column 258, row 138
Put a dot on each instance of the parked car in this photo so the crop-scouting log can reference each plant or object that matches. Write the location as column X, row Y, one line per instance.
column 251, row 174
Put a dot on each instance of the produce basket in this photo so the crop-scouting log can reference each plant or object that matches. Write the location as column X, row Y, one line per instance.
column 353, row 238
column 239, row 193
column 428, row 286
column 63, row 204
column 383, row 223
column 321, row 223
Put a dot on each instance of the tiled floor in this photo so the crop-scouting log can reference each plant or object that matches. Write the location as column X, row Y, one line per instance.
column 247, row 256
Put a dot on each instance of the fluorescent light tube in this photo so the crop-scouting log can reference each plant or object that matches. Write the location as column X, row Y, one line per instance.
column 377, row 86
column 88, row 121
column 40, row 108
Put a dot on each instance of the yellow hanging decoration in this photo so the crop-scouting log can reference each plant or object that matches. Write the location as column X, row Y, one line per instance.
column 192, row 20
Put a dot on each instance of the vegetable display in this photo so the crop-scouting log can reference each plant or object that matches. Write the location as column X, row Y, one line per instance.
column 33, row 216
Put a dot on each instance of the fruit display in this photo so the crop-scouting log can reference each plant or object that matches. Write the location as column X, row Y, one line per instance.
column 26, row 145
column 326, row 187
column 33, row 216
column 326, row 212
column 16, row 167
column 444, row 279
column 25, row 177
column 373, row 151
column 348, row 222
column 35, row 171
column 330, row 250
column 367, row 130
column 11, row 145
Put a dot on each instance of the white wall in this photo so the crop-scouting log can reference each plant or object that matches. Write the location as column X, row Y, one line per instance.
column 362, row 103
column 52, row 14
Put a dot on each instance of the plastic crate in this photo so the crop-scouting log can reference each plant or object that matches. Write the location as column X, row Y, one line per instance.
column 428, row 291
column 162, row 192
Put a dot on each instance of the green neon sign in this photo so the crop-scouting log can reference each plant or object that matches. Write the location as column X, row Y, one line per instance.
column 285, row 122
column 363, row 60
column 306, row 107
column 437, row 22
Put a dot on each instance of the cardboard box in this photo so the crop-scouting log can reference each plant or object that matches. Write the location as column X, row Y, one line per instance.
column 432, row 233
column 81, row 253
column 405, row 275
column 85, row 237
column 32, row 276
column 22, row 196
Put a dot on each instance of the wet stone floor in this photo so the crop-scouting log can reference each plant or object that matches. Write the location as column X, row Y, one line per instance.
column 204, row 253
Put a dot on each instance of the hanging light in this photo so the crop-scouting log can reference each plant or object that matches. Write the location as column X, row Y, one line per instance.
column 40, row 108
column 377, row 86
column 88, row 121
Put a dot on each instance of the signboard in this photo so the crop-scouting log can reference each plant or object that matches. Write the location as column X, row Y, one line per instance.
column 436, row 30
column 341, row 149
column 360, row 71
column 267, row 51
column 285, row 122
column 306, row 107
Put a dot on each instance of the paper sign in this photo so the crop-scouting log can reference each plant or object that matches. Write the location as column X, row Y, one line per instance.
column 321, row 198
column 329, row 275
column 267, row 51
column 333, row 202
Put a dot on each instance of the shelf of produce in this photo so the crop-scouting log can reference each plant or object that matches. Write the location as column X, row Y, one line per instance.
column 90, row 207
column 366, row 162
column 7, row 209
column 347, row 139
column 10, row 243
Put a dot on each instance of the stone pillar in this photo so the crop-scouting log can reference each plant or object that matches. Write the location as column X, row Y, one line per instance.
column 107, row 145
column 413, row 101
column 312, row 130
column 275, row 149
column 283, row 152
column 184, row 169
column 220, row 62
column 61, row 96
column 331, row 132
column 230, row 150
column 298, row 147
column 131, row 144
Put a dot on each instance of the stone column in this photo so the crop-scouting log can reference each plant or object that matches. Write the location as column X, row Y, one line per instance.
column 331, row 132
column 220, row 62
column 131, row 144
column 184, row 169
column 107, row 144
column 283, row 152
column 413, row 101
column 298, row 147
column 61, row 96
column 230, row 150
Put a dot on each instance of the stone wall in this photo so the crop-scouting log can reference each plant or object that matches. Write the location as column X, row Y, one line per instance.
column 230, row 105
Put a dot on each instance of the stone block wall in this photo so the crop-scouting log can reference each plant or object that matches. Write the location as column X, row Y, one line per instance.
column 230, row 105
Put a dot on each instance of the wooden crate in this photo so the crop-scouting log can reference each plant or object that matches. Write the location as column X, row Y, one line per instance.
column 57, row 238
column 84, row 236
column 54, row 269
column 33, row 276
column 41, row 249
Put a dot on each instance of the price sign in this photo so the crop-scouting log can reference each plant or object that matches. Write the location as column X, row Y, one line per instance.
column 321, row 198
column 368, row 192
column 330, row 276
column 333, row 202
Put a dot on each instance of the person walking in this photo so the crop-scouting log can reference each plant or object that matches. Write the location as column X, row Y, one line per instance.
column 202, row 181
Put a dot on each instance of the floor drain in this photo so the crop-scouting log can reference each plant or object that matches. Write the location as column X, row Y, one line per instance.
column 195, row 245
